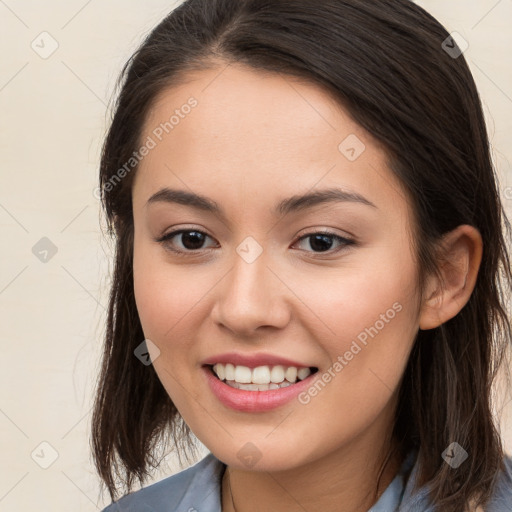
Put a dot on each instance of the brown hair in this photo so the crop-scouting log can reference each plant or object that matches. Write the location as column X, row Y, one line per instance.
column 384, row 61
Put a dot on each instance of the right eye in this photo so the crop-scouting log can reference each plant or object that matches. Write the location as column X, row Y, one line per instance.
column 191, row 242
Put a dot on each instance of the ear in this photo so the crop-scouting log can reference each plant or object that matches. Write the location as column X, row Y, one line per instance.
column 459, row 261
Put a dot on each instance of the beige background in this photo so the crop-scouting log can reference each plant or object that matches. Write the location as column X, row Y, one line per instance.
column 53, row 118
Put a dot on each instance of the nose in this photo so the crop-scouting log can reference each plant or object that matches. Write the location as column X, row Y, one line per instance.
column 252, row 296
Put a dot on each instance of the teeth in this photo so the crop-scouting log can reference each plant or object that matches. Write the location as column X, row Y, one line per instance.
column 257, row 387
column 277, row 374
column 220, row 370
column 302, row 373
column 291, row 374
column 260, row 378
column 260, row 375
column 229, row 371
column 243, row 374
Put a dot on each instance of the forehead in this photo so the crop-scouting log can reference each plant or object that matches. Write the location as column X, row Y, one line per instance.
column 237, row 103
column 259, row 132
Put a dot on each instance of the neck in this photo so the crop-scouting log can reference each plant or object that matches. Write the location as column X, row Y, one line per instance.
column 347, row 476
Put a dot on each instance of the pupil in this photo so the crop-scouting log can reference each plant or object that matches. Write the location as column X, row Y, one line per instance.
column 196, row 239
column 322, row 239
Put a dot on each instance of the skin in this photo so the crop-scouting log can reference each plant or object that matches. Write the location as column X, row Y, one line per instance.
column 254, row 139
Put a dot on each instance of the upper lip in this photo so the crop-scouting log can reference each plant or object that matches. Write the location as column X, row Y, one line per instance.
column 253, row 360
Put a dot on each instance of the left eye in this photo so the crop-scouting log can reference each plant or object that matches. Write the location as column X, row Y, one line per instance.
column 321, row 241
column 193, row 239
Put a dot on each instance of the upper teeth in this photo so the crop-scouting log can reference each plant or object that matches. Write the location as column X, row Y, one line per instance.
column 260, row 374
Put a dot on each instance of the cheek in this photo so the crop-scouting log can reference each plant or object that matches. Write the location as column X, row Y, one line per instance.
column 372, row 318
column 169, row 299
column 165, row 304
column 350, row 300
column 158, row 294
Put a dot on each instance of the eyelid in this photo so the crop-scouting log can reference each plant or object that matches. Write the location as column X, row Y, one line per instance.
column 326, row 231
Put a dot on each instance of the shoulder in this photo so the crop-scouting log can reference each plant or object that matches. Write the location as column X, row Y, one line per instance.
column 193, row 489
column 501, row 500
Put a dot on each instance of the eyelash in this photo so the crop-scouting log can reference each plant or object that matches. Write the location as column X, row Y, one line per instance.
column 167, row 237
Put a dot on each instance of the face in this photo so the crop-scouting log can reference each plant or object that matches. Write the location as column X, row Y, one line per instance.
column 326, row 283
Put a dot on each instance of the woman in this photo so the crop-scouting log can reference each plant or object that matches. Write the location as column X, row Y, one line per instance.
column 248, row 138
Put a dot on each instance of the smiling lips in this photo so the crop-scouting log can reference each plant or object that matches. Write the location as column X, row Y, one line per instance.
column 260, row 378
column 251, row 397
column 256, row 382
column 257, row 372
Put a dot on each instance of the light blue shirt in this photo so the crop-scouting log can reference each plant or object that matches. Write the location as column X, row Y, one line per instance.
column 198, row 489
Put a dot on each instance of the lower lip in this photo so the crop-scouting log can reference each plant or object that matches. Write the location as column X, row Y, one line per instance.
column 254, row 401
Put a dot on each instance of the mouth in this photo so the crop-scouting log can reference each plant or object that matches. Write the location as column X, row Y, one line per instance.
column 260, row 378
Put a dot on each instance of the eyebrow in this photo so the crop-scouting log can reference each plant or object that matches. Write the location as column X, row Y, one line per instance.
column 291, row 204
